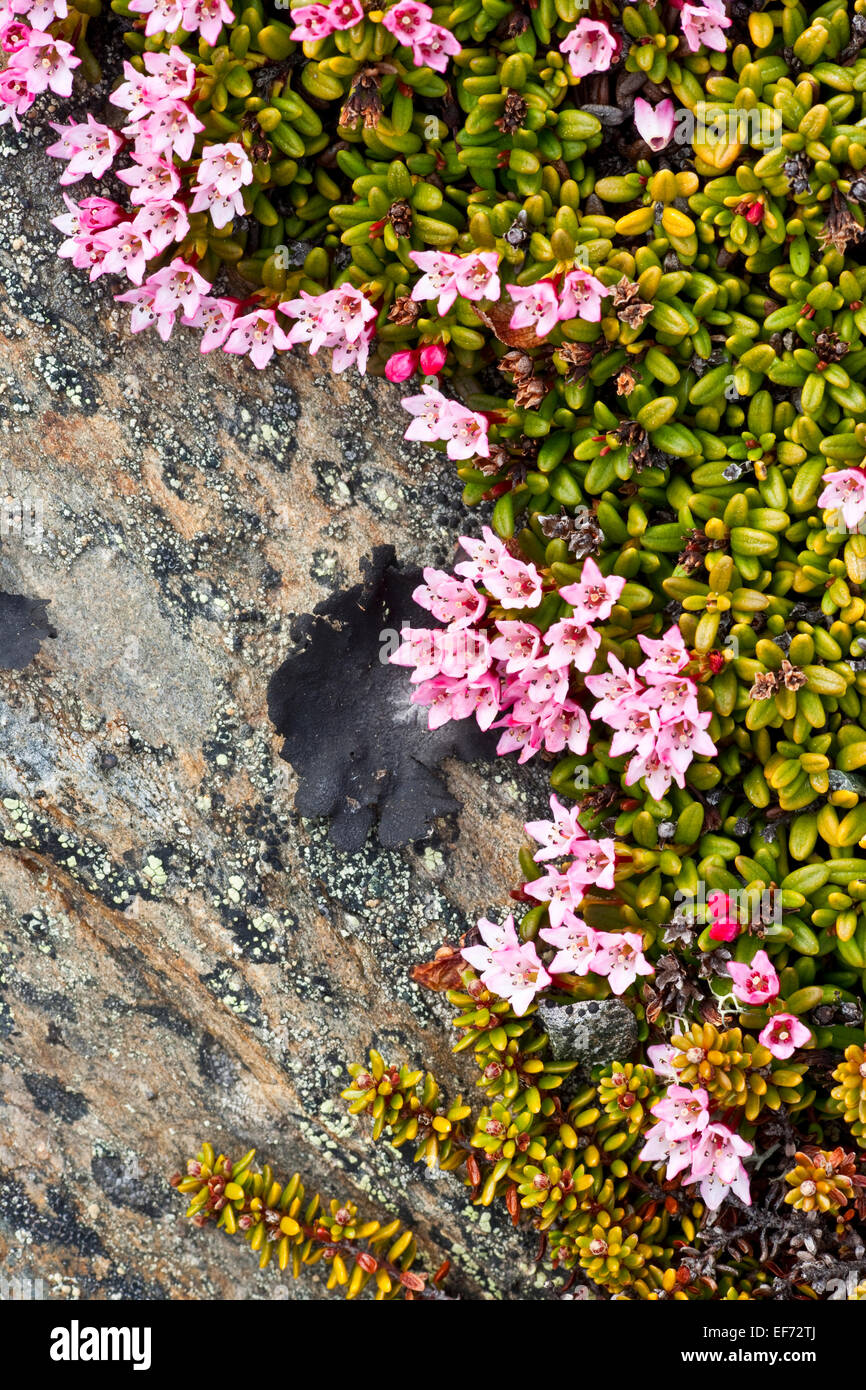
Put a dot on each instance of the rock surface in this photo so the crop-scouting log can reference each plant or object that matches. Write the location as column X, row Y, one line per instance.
column 182, row 956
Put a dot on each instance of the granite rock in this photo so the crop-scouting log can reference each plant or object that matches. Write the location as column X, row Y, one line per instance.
column 183, row 956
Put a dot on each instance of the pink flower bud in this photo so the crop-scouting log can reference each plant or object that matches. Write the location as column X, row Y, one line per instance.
column 433, row 359
column 401, row 365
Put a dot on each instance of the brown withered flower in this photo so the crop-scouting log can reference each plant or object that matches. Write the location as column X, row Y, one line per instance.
column 578, row 357
column 364, row 102
column 530, row 392
column 840, row 228
column 791, row 677
column 764, row 686
column 698, row 545
column 636, row 440
column 400, row 217
column 404, row 311
column 514, row 113
column 628, row 305
column 581, row 532
column 829, row 347
column 626, row 382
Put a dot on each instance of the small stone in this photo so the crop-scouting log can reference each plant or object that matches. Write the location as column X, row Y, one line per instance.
column 590, row 1031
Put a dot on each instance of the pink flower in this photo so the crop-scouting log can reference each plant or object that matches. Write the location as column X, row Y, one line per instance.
column 431, row 411
column 90, row 215
column 400, row 365
column 225, row 168
column 496, row 938
column 15, row 96
column 613, row 687
column 163, row 16
column 152, row 180
column 576, row 945
column 666, row 657
column 514, row 583
column 449, row 599
column 170, row 128
column 704, row 24
column 179, row 289
column 518, row 645
column 595, row 862
column 559, row 836
column 214, row 318
column 487, row 554
column 535, row 306
column 562, row 893
column 517, row 976
column 257, row 334
column 590, row 47
column 684, row 1111
column 660, row 1148
column 175, row 71
column 661, row 1059
column 593, row 597
column 439, row 280
column 723, row 913
column 477, row 276
column 432, row 359
column 756, row 983
column 47, row 62
column 567, row 727
column 341, row 318
column 846, row 493
column 572, row 644
column 635, row 728
column 312, row 22
column 655, row 124
column 716, row 1162
column 345, row 14
column 352, row 352
column 89, row 147
column 648, row 766
column 433, row 47
column 680, row 741
column 208, row 17
column 408, row 20
column 143, row 314
column 41, row 13
column 581, row 296
column 783, row 1035
column 162, row 223
column 620, row 957
column 126, row 251
column 467, row 433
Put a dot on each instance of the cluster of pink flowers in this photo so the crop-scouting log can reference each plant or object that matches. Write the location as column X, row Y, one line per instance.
column 511, row 968
column 408, row 20
column 440, row 420
column 205, row 17
column 506, row 667
column 685, row 1137
column 341, row 319
column 654, row 714
column 36, row 60
column 591, row 47
column 541, row 306
column 446, row 276
column 845, row 494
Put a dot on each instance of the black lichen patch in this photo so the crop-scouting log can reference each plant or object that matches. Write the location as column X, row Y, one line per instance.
column 52, row 1098
column 357, row 743
column 124, row 1186
column 24, row 626
column 56, row 1223
column 215, row 1064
